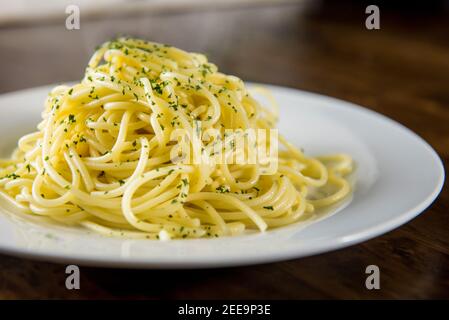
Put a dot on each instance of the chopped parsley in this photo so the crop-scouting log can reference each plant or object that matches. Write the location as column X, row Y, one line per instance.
column 222, row 189
column 71, row 118
column 12, row 176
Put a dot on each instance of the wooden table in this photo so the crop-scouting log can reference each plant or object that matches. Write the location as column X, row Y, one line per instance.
column 401, row 71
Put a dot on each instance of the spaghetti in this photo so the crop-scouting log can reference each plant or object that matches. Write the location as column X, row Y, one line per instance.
column 102, row 157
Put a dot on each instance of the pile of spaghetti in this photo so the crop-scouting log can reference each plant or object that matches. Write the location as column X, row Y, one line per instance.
column 101, row 157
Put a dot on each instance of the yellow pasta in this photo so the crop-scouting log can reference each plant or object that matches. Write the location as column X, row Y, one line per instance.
column 106, row 156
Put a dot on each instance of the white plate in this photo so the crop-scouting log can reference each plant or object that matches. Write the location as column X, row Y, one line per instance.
column 398, row 175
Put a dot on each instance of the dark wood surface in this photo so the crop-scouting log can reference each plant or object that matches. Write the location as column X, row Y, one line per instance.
column 401, row 71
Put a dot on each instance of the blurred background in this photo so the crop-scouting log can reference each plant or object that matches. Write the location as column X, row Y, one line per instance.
column 286, row 42
column 400, row 70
